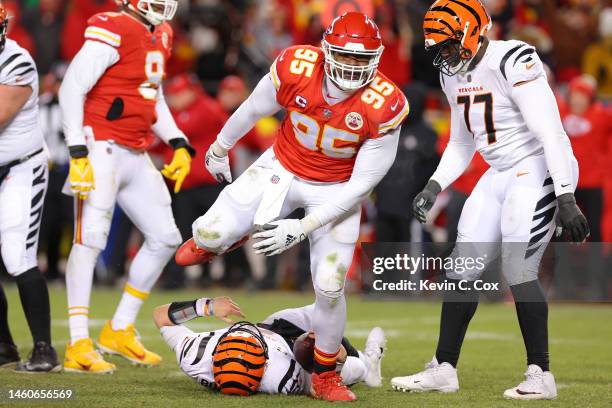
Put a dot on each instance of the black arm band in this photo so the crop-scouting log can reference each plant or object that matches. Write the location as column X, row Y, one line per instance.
column 78, row 151
column 181, row 312
column 179, row 142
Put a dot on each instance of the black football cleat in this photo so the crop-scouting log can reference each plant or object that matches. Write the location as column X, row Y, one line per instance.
column 9, row 356
column 42, row 360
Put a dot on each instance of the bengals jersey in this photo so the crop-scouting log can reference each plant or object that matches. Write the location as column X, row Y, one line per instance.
column 318, row 141
column 482, row 108
column 283, row 375
column 121, row 106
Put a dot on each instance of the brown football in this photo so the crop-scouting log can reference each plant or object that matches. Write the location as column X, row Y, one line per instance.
column 303, row 350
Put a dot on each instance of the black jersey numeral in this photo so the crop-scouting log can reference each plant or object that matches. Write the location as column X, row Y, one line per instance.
column 487, row 99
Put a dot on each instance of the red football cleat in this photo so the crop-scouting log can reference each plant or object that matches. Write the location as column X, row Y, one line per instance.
column 189, row 254
column 328, row 386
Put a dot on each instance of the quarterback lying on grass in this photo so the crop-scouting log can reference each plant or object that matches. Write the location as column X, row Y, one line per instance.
column 246, row 358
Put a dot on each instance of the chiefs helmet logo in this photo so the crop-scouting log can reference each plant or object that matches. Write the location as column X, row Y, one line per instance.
column 354, row 121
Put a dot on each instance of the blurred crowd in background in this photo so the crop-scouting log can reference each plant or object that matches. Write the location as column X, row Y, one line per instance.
column 222, row 48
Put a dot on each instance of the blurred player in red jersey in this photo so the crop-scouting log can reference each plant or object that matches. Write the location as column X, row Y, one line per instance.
column 337, row 141
column 111, row 99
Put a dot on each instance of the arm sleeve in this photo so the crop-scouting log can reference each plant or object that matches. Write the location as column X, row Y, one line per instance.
column 538, row 106
column 165, row 127
column 457, row 155
column 18, row 70
column 262, row 102
column 374, row 159
column 84, row 71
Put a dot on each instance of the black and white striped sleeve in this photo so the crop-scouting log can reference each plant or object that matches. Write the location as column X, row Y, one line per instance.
column 520, row 64
column 17, row 68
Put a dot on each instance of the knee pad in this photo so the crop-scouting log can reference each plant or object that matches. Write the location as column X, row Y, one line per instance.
column 329, row 277
column 170, row 240
column 213, row 232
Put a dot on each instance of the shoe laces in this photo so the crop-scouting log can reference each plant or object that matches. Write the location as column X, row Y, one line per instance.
column 332, row 381
column 533, row 379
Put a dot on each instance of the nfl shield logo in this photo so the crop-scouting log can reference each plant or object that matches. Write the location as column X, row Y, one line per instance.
column 327, row 113
column 275, row 179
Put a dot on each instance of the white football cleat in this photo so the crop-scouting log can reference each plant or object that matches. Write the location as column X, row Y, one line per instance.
column 538, row 385
column 374, row 352
column 435, row 377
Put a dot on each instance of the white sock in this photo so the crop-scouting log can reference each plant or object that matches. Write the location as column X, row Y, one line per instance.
column 79, row 275
column 126, row 311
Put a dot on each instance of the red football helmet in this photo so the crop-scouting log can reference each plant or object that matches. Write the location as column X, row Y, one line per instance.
column 352, row 37
column 3, row 27
column 154, row 11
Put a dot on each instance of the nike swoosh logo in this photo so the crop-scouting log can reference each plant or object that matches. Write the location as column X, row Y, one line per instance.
column 282, row 56
column 84, row 366
column 564, row 185
column 529, row 66
column 521, row 173
column 394, row 107
column 103, row 18
column 138, row 356
column 526, row 392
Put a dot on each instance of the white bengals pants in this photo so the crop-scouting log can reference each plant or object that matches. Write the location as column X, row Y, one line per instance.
column 22, row 195
column 331, row 247
column 516, row 207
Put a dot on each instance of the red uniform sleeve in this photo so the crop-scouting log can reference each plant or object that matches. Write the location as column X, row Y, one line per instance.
column 294, row 64
column 103, row 28
column 395, row 111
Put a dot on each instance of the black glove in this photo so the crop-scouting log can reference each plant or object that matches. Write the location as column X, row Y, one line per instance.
column 571, row 218
column 423, row 201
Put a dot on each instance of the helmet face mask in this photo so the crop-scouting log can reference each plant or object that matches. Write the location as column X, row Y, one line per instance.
column 448, row 57
column 154, row 11
column 352, row 47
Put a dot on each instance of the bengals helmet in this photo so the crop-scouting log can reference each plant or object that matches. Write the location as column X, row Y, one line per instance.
column 154, row 11
column 454, row 30
column 354, row 36
column 239, row 360
column 3, row 27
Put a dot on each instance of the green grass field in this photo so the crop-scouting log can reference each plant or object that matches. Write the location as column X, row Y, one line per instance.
column 492, row 359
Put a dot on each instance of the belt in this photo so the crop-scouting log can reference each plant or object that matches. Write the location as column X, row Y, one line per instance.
column 4, row 170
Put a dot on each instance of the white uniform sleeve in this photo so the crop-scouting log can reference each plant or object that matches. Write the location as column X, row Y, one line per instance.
column 262, row 102
column 457, row 155
column 374, row 159
column 538, row 106
column 165, row 127
column 84, row 71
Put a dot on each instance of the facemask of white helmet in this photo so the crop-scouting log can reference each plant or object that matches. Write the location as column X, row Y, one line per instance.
column 348, row 76
column 157, row 11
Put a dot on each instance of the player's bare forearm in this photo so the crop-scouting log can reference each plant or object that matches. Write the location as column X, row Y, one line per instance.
column 160, row 316
column 13, row 97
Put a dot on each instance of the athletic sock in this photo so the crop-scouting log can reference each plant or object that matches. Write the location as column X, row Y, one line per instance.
column 79, row 276
column 323, row 361
column 458, row 309
column 128, row 308
column 532, row 313
column 5, row 333
column 35, row 302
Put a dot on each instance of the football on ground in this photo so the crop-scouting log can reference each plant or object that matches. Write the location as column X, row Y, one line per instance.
column 492, row 359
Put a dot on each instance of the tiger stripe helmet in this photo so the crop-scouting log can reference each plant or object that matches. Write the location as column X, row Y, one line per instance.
column 3, row 27
column 455, row 29
column 239, row 360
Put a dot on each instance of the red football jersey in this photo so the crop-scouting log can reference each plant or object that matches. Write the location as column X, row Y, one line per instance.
column 121, row 106
column 318, row 141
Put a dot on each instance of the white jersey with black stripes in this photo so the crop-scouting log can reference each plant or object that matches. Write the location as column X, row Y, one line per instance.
column 283, row 375
column 488, row 116
column 22, row 135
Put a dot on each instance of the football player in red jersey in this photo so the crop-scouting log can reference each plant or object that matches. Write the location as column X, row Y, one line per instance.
column 337, row 141
column 111, row 99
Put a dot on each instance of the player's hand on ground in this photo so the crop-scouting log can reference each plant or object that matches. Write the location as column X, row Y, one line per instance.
column 571, row 219
column 278, row 236
column 223, row 307
column 217, row 163
column 81, row 177
column 423, row 201
column 179, row 168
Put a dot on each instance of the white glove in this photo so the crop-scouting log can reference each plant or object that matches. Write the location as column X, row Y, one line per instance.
column 217, row 163
column 278, row 236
